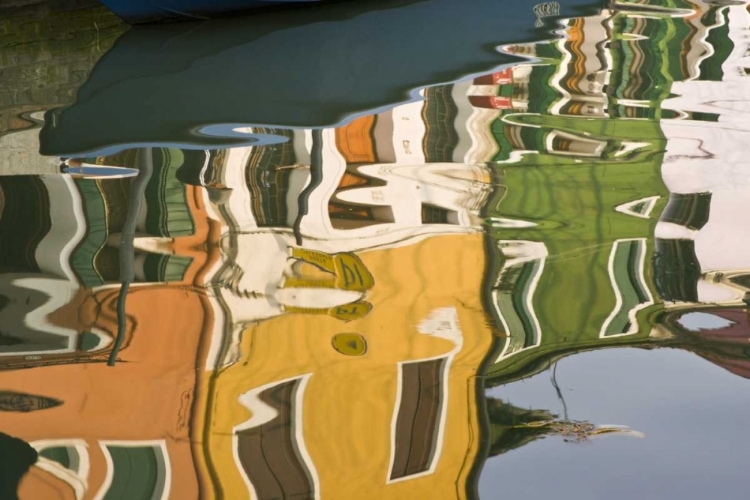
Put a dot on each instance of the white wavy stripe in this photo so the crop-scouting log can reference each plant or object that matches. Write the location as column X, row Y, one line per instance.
column 60, row 292
column 67, row 227
column 77, row 479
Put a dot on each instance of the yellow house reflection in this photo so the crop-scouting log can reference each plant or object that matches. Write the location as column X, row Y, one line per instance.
column 382, row 406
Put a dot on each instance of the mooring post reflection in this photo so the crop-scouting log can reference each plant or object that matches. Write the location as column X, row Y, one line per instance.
column 321, row 316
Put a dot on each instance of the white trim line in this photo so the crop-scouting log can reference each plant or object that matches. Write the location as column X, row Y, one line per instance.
column 77, row 479
column 626, row 208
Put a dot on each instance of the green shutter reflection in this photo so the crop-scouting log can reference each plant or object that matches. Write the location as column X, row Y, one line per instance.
column 61, row 455
column 95, row 213
column 511, row 300
column 139, row 473
column 166, row 268
column 89, row 341
column 718, row 38
column 676, row 270
column 168, row 213
column 626, row 270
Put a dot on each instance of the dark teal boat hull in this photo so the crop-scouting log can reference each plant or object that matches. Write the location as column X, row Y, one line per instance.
column 146, row 11
column 194, row 84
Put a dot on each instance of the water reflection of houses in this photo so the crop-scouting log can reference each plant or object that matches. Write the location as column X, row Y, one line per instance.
column 334, row 349
column 636, row 248
column 58, row 268
column 638, row 237
column 369, row 293
column 705, row 226
column 59, row 289
column 401, row 372
column 409, row 329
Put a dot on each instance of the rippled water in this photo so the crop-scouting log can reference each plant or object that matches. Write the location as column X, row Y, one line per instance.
column 406, row 249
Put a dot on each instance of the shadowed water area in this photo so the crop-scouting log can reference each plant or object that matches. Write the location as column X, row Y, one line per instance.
column 396, row 249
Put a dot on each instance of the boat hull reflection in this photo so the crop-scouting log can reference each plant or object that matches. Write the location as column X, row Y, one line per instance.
column 145, row 11
column 191, row 84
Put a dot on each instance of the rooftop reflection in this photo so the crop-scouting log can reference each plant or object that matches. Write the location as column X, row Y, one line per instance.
column 333, row 311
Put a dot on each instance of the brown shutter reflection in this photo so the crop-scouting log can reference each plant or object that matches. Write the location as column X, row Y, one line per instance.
column 269, row 453
column 418, row 421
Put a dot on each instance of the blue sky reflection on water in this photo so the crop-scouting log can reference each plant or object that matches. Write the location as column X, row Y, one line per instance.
column 693, row 415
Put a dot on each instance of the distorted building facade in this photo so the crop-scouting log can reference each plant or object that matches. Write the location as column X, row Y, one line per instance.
column 313, row 318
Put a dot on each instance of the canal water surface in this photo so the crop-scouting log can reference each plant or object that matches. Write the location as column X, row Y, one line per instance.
column 406, row 249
